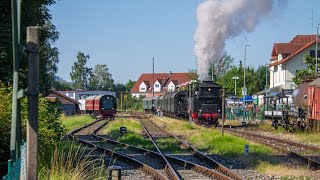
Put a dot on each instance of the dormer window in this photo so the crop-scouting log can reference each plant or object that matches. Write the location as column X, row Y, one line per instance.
column 142, row 89
column 157, row 85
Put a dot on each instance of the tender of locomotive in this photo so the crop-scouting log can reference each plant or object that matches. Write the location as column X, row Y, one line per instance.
column 104, row 105
column 201, row 103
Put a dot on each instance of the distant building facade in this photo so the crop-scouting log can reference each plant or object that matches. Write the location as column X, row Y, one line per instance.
column 287, row 59
column 82, row 94
column 161, row 82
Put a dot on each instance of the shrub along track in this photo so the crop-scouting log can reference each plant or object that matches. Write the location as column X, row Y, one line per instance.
column 200, row 162
column 307, row 153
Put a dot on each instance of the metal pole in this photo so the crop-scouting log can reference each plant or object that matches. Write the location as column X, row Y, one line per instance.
column 317, row 50
column 244, row 82
column 15, row 122
column 121, row 103
column 212, row 72
column 223, row 109
column 153, row 108
column 33, row 93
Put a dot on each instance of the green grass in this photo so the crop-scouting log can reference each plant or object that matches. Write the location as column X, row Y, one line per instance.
column 69, row 161
column 309, row 137
column 73, row 122
column 133, row 135
column 170, row 145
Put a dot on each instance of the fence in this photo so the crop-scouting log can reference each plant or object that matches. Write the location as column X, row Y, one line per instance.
column 251, row 114
column 18, row 169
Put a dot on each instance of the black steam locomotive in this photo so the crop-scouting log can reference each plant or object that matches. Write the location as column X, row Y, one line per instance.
column 201, row 103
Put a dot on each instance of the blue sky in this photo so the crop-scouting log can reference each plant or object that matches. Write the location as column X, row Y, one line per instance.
column 126, row 34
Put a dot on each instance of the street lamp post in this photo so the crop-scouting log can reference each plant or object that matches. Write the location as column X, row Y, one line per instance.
column 235, row 84
column 317, row 50
column 244, row 82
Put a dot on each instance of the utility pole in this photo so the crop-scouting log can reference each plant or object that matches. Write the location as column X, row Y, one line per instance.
column 153, row 108
column 223, row 109
column 121, row 103
column 33, row 93
column 317, row 50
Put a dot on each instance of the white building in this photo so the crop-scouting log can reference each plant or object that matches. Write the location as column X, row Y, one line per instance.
column 287, row 59
column 161, row 83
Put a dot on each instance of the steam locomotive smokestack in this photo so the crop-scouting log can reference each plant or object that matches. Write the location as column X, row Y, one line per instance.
column 219, row 20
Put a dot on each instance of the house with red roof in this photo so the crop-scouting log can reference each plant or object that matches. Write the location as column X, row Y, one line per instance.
column 287, row 59
column 160, row 82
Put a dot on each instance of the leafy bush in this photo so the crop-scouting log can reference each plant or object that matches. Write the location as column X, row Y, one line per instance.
column 50, row 126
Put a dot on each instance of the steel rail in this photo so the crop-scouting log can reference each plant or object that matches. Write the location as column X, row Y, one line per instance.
column 170, row 170
column 202, row 156
column 305, row 146
column 156, row 174
column 310, row 162
column 198, row 168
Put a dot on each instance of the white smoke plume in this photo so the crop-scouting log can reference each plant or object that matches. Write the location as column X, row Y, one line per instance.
column 219, row 20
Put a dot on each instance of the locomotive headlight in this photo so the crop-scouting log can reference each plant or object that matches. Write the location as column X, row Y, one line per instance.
column 209, row 89
column 218, row 110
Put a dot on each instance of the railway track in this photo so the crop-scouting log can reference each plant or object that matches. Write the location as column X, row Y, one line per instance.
column 309, row 154
column 140, row 158
column 84, row 136
column 201, row 162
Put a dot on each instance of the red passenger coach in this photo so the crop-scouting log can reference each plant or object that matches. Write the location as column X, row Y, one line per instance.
column 104, row 105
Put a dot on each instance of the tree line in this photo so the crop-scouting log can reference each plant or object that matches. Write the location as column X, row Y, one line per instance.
column 225, row 69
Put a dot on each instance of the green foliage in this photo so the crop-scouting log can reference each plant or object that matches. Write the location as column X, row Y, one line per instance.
column 80, row 74
column 221, row 65
column 101, row 78
column 67, row 160
column 62, row 86
column 255, row 79
column 50, row 127
column 35, row 13
column 5, row 125
column 307, row 73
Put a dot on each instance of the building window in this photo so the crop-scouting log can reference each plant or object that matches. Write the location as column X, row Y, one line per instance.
column 157, row 85
column 142, row 89
column 313, row 54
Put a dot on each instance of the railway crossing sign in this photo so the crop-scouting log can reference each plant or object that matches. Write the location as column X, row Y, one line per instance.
column 246, row 149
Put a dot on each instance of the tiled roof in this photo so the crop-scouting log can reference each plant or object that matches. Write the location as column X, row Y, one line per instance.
column 64, row 96
column 303, row 39
column 164, row 77
column 289, row 50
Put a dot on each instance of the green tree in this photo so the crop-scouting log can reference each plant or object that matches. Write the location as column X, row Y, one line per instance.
column 130, row 85
column 308, row 72
column 227, row 81
column 260, row 73
column 35, row 13
column 50, row 126
column 80, row 74
column 101, row 78
column 221, row 66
